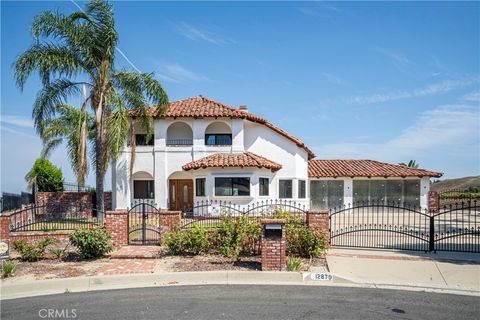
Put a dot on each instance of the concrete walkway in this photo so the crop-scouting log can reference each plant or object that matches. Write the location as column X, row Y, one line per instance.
column 453, row 271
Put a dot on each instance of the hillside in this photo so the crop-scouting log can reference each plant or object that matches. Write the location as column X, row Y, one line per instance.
column 458, row 183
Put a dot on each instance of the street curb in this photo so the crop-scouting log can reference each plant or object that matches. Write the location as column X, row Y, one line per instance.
column 12, row 289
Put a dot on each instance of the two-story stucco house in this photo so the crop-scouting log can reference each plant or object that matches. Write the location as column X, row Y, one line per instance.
column 205, row 150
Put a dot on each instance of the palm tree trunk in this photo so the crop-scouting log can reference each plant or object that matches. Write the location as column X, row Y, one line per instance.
column 100, row 159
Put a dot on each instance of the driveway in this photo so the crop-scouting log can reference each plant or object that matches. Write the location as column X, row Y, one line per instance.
column 247, row 302
column 456, row 271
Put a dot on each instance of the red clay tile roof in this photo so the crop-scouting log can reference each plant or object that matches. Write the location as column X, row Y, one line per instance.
column 363, row 168
column 201, row 107
column 229, row 160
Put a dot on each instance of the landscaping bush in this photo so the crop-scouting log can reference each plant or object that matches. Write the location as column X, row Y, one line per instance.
column 59, row 253
column 92, row 243
column 8, row 268
column 293, row 264
column 32, row 251
column 301, row 240
column 46, row 176
column 190, row 241
column 240, row 236
column 304, row 242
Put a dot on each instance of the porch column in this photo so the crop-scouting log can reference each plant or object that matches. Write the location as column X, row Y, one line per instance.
column 160, row 180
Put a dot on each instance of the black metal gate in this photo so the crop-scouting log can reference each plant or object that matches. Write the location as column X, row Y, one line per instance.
column 390, row 226
column 144, row 226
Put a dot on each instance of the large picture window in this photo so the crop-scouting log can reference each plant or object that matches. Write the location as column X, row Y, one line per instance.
column 218, row 139
column 285, row 189
column 263, row 184
column 143, row 189
column 228, row 187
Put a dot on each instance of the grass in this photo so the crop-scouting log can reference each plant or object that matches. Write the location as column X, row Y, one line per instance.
column 8, row 268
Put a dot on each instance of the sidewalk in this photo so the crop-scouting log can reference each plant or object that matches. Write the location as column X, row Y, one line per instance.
column 447, row 270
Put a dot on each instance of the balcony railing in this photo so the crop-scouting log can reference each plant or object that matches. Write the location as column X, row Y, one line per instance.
column 179, row 142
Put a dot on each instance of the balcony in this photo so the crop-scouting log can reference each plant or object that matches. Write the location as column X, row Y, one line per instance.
column 179, row 142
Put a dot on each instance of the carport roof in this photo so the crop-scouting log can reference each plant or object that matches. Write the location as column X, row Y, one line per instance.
column 363, row 168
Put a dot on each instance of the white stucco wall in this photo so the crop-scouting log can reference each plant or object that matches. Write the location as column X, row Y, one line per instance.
column 164, row 162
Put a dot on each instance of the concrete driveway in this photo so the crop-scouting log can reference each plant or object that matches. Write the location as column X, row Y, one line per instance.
column 446, row 270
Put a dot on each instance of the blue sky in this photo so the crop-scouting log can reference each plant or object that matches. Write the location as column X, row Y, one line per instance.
column 362, row 80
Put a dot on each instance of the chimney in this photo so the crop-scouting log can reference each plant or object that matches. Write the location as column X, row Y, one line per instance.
column 243, row 108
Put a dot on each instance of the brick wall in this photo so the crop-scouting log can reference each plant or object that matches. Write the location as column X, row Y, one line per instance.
column 62, row 237
column 319, row 221
column 274, row 248
column 169, row 220
column 116, row 223
column 61, row 202
column 433, row 202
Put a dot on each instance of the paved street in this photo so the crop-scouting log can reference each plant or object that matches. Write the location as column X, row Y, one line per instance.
column 246, row 302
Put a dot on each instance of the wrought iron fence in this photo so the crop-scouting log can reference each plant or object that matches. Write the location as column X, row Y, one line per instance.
column 54, row 216
column 210, row 213
column 73, row 187
column 12, row 201
column 456, row 227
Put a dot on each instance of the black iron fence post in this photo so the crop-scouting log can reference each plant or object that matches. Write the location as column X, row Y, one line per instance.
column 144, row 226
column 432, row 234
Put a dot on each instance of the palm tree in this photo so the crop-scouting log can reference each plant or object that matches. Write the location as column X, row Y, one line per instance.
column 74, row 127
column 70, row 51
column 410, row 164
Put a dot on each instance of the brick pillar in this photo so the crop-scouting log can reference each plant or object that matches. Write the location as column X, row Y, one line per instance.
column 433, row 202
column 5, row 228
column 273, row 247
column 169, row 220
column 116, row 223
column 319, row 221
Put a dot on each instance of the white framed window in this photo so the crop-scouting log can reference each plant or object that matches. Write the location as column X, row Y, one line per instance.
column 302, row 189
column 263, row 187
column 285, row 189
column 232, row 186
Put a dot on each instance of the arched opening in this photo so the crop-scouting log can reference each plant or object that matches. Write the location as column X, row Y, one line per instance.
column 180, row 191
column 179, row 134
column 218, row 134
column 143, row 185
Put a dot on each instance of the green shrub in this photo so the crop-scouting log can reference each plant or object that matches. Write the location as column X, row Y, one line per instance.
column 32, row 251
column 45, row 176
column 190, row 241
column 301, row 240
column 293, row 264
column 239, row 236
column 92, row 243
column 304, row 242
column 59, row 253
column 8, row 268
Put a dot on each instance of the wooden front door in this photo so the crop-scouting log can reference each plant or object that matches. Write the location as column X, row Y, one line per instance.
column 180, row 194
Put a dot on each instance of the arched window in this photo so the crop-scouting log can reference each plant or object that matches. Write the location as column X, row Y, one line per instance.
column 218, row 134
column 179, row 134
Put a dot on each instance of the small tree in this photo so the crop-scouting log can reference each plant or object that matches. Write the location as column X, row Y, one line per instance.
column 46, row 176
